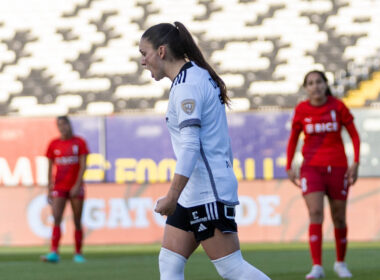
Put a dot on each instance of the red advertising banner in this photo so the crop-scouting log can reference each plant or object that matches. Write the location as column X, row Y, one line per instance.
column 23, row 144
column 269, row 211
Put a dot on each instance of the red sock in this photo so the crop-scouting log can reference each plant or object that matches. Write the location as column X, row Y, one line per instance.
column 55, row 237
column 78, row 241
column 315, row 242
column 340, row 243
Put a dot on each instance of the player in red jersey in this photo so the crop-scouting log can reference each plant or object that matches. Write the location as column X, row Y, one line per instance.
column 324, row 170
column 68, row 154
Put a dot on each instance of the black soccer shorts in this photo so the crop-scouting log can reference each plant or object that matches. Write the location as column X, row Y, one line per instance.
column 203, row 219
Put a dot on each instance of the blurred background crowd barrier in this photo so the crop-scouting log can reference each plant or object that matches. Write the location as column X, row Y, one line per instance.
column 269, row 211
column 137, row 148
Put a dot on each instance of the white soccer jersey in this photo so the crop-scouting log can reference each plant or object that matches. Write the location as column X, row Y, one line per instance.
column 195, row 101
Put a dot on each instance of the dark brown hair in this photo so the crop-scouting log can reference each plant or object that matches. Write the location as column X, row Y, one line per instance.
column 182, row 46
column 324, row 78
column 67, row 121
column 64, row 118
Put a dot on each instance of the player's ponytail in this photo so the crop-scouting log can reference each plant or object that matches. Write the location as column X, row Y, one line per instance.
column 183, row 46
column 193, row 53
column 324, row 78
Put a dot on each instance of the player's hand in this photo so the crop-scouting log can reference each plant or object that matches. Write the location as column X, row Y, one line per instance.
column 75, row 191
column 166, row 206
column 352, row 174
column 293, row 177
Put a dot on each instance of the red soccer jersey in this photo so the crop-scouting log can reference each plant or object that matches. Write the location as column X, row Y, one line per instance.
column 65, row 155
column 323, row 145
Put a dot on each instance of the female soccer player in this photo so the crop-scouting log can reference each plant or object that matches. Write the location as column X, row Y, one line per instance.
column 200, row 203
column 68, row 153
column 324, row 170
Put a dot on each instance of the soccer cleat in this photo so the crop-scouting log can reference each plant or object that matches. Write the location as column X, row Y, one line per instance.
column 51, row 257
column 341, row 270
column 316, row 272
column 78, row 258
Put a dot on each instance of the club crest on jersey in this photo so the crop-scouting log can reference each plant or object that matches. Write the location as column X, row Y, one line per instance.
column 75, row 149
column 188, row 106
column 308, row 120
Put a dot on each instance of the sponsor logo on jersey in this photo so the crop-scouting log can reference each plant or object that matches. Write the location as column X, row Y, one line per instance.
column 195, row 215
column 66, row 160
column 199, row 220
column 188, row 106
column 321, row 127
column 202, row 227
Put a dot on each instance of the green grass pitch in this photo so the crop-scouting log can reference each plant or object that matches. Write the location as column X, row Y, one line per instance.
column 280, row 261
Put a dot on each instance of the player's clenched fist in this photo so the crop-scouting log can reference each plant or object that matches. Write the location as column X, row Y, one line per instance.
column 165, row 206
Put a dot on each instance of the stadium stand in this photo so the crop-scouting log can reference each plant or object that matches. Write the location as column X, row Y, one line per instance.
column 81, row 56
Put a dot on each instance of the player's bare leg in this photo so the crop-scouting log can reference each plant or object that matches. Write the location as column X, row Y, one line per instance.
column 179, row 241
column 314, row 202
column 58, row 206
column 224, row 251
column 177, row 247
column 221, row 244
column 338, row 215
column 77, row 207
column 338, row 212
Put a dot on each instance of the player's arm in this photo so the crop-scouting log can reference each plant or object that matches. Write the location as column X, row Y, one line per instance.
column 187, row 158
column 348, row 121
column 188, row 107
column 291, row 149
column 82, row 168
column 50, row 179
column 167, row 205
column 50, row 171
column 352, row 171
